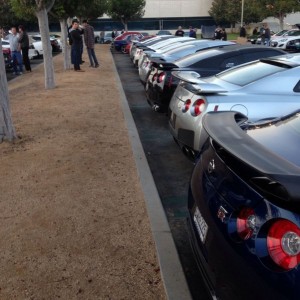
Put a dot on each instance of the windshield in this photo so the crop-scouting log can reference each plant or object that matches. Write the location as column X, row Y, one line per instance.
column 294, row 33
column 246, row 74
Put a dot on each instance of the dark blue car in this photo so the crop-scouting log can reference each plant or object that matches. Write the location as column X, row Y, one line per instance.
column 120, row 45
column 244, row 207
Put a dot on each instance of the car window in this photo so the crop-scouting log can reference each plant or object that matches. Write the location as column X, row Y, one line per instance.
column 230, row 62
column 295, row 33
column 195, row 58
column 250, row 56
column 297, row 87
column 249, row 73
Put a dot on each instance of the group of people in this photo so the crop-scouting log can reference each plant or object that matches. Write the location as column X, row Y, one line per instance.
column 19, row 47
column 76, row 41
column 220, row 33
column 264, row 32
column 180, row 32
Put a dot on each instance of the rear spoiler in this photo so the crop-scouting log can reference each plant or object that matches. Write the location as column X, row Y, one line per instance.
column 198, row 84
column 275, row 175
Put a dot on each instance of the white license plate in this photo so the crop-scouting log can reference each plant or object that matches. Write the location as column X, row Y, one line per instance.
column 201, row 225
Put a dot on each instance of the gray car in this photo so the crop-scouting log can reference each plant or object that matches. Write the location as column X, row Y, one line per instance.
column 263, row 89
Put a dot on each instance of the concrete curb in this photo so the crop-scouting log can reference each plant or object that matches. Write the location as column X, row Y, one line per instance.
column 172, row 273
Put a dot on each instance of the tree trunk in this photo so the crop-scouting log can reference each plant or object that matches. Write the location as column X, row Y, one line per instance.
column 281, row 19
column 47, row 48
column 65, row 46
column 6, row 126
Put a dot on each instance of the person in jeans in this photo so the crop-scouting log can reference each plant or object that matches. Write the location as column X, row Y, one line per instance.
column 89, row 40
column 15, row 49
column 24, row 42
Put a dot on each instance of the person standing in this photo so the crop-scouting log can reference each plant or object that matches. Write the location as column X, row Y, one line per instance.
column 179, row 31
column 76, row 36
column 89, row 40
column 192, row 32
column 223, row 34
column 243, row 31
column 102, row 33
column 218, row 33
column 267, row 34
column 15, row 49
column 24, row 43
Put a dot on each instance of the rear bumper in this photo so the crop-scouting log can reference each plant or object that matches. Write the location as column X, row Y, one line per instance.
column 157, row 96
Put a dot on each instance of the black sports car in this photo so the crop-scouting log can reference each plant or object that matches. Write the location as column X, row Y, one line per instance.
column 244, row 207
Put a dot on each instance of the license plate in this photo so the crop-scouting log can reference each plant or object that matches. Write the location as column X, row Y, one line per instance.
column 201, row 225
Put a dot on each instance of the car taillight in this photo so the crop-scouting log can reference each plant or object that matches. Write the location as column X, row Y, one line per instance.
column 283, row 242
column 198, row 107
column 154, row 77
column 245, row 223
column 186, row 105
column 161, row 77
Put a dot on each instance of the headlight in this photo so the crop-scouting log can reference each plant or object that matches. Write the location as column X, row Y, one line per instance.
column 282, row 41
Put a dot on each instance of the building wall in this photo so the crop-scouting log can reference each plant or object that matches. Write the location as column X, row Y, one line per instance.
column 177, row 8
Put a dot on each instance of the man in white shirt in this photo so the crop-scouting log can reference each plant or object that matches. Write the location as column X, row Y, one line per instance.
column 15, row 49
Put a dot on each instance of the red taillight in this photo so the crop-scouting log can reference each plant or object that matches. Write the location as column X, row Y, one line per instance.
column 186, row 105
column 198, row 107
column 283, row 243
column 154, row 77
column 161, row 77
column 245, row 223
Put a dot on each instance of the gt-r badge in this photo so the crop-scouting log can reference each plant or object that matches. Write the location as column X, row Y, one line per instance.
column 222, row 212
column 211, row 166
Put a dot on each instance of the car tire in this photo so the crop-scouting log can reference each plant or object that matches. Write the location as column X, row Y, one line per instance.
column 97, row 39
column 123, row 49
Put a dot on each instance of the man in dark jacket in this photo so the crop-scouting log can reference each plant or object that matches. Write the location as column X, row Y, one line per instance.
column 24, row 43
column 77, row 43
column 89, row 40
column 179, row 31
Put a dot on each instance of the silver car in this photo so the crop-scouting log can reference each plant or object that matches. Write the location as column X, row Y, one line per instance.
column 137, row 50
column 263, row 89
column 176, row 52
column 170, row 40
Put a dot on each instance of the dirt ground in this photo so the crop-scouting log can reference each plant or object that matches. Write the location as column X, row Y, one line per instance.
column 73, row 222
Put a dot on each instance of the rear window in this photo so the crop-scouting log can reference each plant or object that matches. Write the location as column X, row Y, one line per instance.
column 249, row 73
column 194, row 58
column 182, row 48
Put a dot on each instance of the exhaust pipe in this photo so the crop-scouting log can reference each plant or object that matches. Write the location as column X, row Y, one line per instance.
column 156, row 107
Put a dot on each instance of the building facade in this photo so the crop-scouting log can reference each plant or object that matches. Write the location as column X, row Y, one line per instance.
column 177, row 8
column 164, row 14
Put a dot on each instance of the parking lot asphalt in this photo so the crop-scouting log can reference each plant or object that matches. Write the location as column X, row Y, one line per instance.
column 170, row 169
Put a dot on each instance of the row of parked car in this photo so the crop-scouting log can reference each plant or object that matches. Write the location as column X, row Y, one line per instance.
column 285, row 39
column 235, row 111
column 35, row 49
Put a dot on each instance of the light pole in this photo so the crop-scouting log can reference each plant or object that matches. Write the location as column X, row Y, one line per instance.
column 242, row 14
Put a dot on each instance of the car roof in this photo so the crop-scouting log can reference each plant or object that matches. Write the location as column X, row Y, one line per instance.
column 223, row 50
